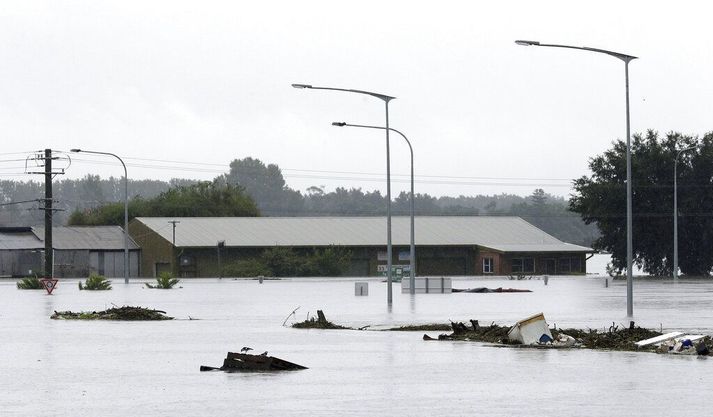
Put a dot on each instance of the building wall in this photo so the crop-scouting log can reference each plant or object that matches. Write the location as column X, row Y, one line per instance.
column 558, row 263
column 20, row 263
column 77, row 263
column 157, row 253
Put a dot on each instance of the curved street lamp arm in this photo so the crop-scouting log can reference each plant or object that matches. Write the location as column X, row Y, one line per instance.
column 678, row 154
column 408, row 142
column 624, row 57
column 369, row 93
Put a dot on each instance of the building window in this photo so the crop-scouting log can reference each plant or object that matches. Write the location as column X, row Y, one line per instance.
column 570, row 265
column 564, row 265
column 523, row 265
column 488, row 265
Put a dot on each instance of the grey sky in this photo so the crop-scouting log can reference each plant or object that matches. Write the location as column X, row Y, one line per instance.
column 207, row 82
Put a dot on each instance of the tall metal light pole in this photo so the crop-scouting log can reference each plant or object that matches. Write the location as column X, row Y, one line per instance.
column 675, row 211
column 629, row 247
column 386, row 99
column 412, row 280
column 126, row 209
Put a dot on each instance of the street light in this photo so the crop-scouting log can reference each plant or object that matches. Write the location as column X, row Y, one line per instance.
column 386, row 99
column 629, row 246
column 126, row 210
column 412, row 279
column 675, row 212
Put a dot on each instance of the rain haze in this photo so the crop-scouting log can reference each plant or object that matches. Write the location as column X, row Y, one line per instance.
column 204, row 83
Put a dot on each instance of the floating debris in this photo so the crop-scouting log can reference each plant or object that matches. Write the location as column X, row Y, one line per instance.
column 245, row 362
column 126, row 313
column 421, row 327
column 484, row 290
column 320, row 322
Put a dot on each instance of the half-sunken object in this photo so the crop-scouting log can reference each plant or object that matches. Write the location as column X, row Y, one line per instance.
column 244, row 362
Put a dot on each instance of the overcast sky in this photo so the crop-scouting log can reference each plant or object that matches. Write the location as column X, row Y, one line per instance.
column 206, row 82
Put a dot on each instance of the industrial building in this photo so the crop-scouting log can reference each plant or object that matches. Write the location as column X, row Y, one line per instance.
column 445, row 245
column 78, row 251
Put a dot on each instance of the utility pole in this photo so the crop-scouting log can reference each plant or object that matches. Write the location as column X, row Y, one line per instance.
column 48, row 172
column 49, row 259
column 173, row 222
column 173, row 248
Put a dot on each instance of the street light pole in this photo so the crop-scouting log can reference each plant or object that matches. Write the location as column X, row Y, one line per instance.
column 126, row 209
column 629, row 240
column 675, row 212
column 389, row 253
column 412, row 278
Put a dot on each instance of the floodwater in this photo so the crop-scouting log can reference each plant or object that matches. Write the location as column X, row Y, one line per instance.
column 91, row 368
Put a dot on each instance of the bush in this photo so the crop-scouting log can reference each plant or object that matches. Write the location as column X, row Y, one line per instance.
column 247, row 268
column 330, row 262
column 283, row 262
column 95, row 282
column 30, row 283
column 164, row 281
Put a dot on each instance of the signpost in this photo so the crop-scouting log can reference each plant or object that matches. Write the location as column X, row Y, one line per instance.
column 49, row 284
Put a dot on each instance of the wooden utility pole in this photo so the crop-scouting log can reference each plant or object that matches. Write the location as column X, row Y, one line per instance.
column 49, row 260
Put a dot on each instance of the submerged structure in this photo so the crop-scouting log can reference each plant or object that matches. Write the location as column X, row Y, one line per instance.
column 245, row 362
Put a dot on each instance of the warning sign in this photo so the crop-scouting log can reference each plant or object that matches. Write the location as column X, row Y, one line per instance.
column 49, row 284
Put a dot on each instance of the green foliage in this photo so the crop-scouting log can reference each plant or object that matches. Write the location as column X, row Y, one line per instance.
column 287, row 262
column 601, row 199
column 331, row 262
column 246, row 268
column 29, row 283
column 165, row 281
column 204, row 199
column 95, row 282
column 283, row 262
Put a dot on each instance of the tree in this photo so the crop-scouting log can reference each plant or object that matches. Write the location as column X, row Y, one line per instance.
column 205, row 199
column 601, row 199
column 266, row 185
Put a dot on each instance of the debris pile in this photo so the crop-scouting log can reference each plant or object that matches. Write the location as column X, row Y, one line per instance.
column 126, row 313
column 433, row 327
column 477, row 333
column 614, row 338
column 481, row 290
column 320, row 322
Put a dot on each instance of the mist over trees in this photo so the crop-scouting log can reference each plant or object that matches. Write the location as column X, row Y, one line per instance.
column 601, row 199
column 92, row 200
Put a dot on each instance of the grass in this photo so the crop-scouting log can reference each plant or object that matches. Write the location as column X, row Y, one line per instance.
column 95, row 282
column 165, row 281
column 30, row 283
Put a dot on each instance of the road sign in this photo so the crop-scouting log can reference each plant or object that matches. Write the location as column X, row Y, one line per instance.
column 49, row 284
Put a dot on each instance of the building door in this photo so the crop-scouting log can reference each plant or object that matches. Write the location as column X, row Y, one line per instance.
column 161, row 267
column 550, row 267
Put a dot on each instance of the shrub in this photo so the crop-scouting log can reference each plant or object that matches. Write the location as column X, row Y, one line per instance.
column 330, row 262
column 164, row 281
column 283, row 262
column 30, row 283
column 95, row 282
column 247, row 268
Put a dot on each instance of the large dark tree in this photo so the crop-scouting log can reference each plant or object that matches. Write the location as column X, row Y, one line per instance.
column 601, row 199
column 266, row 185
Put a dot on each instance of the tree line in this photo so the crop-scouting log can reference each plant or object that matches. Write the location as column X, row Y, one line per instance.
column 94, row 201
